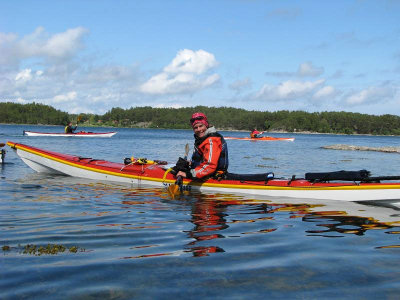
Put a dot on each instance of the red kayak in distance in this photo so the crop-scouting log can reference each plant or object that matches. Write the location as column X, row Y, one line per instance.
column 264, row 138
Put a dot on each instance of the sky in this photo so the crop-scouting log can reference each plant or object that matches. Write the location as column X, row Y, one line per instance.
column 88, row 56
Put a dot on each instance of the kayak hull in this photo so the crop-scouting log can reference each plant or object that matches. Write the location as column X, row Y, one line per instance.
column 77, row 134
column 139, row 175
column 264, row 138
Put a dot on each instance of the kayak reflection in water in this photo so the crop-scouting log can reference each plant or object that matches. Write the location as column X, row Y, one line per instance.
column 69, row 128
column 210, row 154
column 208, row 217
column 255, row 133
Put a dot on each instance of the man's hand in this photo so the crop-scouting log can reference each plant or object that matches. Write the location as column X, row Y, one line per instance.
column 180, row 173
column 181, row 165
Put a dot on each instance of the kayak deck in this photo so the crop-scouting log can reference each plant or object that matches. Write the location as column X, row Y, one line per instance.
column 154, row 174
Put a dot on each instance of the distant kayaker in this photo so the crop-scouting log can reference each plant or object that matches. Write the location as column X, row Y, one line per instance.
column 210, row 154
column 69, row 128
column 255, row 133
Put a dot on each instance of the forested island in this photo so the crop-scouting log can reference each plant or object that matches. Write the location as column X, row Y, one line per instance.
column 224, row 118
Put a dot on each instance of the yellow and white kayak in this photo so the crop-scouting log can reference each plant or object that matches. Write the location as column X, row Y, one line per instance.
column 154, row 173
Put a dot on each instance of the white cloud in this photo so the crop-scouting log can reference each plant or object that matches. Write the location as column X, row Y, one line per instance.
column 239, row 85
column 65, row 43
column 307, row 69
column 185, row 74
column 65, row 98
column 60, row 45
column 7, row 49
column 21, row 101
column 370, row 95
column 24, row 75
column 40, row 44
column 289, row 90
column 189, row 61
column 324, row 92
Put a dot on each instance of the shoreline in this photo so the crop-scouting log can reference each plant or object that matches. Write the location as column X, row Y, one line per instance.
column 218, row 129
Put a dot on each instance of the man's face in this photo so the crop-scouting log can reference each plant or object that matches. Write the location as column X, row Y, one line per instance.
column 199, row 129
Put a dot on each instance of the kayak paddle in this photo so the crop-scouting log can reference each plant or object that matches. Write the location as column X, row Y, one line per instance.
column 175, row 188
column 2, row 145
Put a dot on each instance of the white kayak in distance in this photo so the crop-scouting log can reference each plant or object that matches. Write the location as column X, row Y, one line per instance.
column 75, row 134
column 341, row 185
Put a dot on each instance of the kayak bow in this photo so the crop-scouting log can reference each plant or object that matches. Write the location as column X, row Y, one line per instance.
column 138, row 174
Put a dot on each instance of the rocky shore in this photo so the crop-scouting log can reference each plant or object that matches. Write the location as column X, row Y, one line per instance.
column 362, row 148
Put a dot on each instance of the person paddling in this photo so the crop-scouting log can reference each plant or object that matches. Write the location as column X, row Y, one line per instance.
column 69, row 128
column 210, row 154
column 2, row 153
column 256, row 134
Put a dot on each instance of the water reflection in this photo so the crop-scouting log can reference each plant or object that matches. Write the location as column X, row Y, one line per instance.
column 197, row 224
column 343, row 225
column 213, row 214
column 208, row 218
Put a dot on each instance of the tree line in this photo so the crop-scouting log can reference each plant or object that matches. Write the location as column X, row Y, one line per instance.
column 224, row 118
column 32, row 113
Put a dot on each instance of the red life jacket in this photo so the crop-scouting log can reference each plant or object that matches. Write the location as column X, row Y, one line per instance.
column 210, row 154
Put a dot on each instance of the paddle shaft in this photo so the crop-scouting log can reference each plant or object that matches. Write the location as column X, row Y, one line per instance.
column 179, row 179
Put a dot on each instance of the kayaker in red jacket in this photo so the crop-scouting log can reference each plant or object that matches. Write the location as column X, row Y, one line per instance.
column 210, row 150
column 256, row 134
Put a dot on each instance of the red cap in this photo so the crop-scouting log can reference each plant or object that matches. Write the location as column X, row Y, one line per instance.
column 198, row 118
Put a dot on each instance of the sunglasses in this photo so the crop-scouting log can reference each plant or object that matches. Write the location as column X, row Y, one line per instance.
column 196, row 119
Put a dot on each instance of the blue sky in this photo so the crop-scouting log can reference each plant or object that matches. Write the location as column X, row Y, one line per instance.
column 92, row 55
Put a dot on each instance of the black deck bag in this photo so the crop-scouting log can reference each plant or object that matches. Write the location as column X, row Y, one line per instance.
column 250, row 177
column 339, row 175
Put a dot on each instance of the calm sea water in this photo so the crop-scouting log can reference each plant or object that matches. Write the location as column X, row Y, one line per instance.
column 136, row 243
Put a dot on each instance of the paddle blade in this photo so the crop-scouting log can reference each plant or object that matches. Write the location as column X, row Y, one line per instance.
column 173, row 190
column 2, row 145
column 186, row 150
